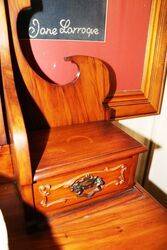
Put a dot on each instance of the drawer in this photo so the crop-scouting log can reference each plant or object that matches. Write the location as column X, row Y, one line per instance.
column 67, row 189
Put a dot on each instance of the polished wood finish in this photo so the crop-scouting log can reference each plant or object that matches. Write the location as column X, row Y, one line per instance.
column 147, row 100
column 74, row 103
column 77, row 102
column 155, row 60
column 131, row 221
column 54, row 194
column 18, row 137
column 69, row 148
column 71, row 153
column 63, row 151
column 3, row 139
column 124, row 104
column 6, row 168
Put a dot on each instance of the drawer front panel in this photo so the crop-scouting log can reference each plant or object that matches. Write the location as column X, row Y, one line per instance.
column 65, row 190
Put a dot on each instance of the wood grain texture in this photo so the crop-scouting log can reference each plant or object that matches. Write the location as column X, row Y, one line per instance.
column 69, row 148
column 3, row 139
column 77, row 102
column 124, row 104
column 70, row 153
column 116, row 176
column 6, row 168
column 48, row 153
column 18, row 137
column 132, row 221
column 155, row 59
column 148, row 99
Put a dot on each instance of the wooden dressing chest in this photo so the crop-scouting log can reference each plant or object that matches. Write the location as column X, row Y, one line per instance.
column 65, row 151
column 82, row 162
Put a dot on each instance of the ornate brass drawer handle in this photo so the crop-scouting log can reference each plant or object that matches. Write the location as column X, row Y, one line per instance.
column 87, row 186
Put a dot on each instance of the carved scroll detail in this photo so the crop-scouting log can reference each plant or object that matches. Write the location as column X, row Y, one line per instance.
column 45, row 190
column 121, row 178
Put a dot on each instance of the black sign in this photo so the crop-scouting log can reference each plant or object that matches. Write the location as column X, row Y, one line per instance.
column 66, row 20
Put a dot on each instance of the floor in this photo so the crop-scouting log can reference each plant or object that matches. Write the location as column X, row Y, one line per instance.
column 134, row 220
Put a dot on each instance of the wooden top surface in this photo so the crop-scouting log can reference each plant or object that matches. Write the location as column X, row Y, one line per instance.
column 80, row 145
column 133, row 221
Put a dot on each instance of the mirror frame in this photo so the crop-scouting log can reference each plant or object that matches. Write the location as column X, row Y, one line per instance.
column 147, row 100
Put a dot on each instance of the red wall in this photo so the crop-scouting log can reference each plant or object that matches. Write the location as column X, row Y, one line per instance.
column 123, row 50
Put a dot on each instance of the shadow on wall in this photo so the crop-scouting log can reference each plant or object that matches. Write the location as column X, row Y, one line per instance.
column 148, row 184
column 144, row 164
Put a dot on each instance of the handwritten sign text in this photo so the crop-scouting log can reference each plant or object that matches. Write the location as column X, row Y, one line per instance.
column 65, row 27
column 66, row 20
